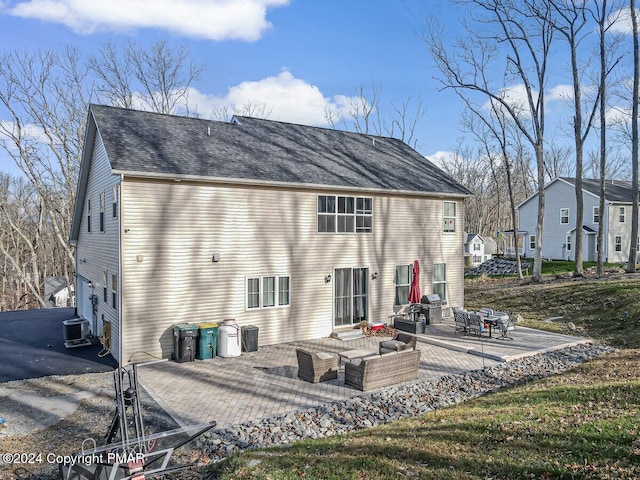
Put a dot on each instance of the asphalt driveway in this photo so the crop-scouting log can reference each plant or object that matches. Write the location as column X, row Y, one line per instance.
column 32, row 345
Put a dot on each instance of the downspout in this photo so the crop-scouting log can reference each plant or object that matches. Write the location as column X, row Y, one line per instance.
column 120, row 273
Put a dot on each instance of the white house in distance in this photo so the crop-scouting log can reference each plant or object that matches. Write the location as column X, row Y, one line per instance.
column 560, row 219
column 474, row 249
column 297, row 230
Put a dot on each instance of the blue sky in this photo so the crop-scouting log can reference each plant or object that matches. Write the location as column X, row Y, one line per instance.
column 296, row 56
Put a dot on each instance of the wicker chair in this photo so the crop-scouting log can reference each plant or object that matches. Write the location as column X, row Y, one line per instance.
column 316, row 367
column 400, row 341
column 476, row 324
column 461, row 319
column 506, row 325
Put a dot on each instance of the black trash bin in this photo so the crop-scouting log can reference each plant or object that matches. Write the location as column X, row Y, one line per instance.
column 249, row 338
column 184, row 342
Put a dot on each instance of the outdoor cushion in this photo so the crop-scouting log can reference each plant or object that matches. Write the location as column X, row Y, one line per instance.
column 394, row 345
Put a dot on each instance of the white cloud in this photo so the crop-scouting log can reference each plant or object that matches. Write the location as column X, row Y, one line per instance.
column 618, row 116
column 209, row 19
column 620, row 21
column 560, row 92
column 285, row 98
column 442, row 158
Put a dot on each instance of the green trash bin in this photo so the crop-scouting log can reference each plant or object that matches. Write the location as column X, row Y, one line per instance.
column 207, row 340
column 184, row 342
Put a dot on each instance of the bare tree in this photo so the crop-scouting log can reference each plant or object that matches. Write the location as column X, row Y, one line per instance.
column 570, row 19
column 251, row 109
column 495, row 127
column 509, row 41
column 156, row 79
column 602, row 14
column 363, row 115
column 43, row 107
column 557, row 161
column 631, row 266
column 43, row 99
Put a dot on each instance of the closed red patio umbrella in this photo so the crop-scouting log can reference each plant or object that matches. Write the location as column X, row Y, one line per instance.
column 414, row 291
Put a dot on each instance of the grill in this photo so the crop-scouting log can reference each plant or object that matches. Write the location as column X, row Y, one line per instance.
column 431, row 307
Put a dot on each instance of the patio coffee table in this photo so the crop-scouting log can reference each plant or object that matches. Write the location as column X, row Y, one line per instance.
column 354, row 354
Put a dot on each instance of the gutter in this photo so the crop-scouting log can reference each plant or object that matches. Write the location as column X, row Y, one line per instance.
column 268, row 183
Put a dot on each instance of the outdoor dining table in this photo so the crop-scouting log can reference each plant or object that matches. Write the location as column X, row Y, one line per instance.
column 491, row 320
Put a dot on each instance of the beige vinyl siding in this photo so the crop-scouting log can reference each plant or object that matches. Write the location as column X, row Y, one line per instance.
column 100, row 249
column 172, row 229
column 622, row 229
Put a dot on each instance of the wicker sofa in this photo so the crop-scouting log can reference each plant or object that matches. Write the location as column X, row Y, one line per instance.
column 382, row 370
column 316, row 367
column 400, row 341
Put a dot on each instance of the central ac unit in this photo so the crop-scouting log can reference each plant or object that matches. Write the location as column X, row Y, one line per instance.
column 76, row 332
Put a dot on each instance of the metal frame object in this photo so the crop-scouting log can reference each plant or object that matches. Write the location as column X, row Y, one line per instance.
column 128, row 453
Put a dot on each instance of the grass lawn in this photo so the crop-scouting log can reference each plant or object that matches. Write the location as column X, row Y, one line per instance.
column 583, row 424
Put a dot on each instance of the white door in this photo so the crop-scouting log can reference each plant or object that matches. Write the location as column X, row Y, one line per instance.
column 351, row 296
column 85, row 308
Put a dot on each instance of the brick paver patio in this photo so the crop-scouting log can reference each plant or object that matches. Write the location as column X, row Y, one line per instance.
column 261, row 384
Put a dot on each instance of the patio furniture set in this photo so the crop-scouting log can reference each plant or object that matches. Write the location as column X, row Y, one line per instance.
column 396, row 361
column 483, row 321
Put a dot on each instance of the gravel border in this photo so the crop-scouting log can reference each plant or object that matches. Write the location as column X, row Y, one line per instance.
column 393, row 403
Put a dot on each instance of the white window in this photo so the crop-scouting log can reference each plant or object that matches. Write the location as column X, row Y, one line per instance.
column 283, row 291
column 89, row 216
column 105, row 284
column 618, row 243
column 532, row 242
column 596, row 214
column 344, row 214
column 440, row 279
column 403, row 283
column 364, row 214
column 114, row 202
column 114, row 289
column 102, row 212
column 622, row 214
column 476, row 247
column 568, row 243
column 449, row 217
column 564, row 215
column 268, row 292
column 638, row 244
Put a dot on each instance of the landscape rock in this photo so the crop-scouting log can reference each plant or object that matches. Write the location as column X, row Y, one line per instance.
column 392, row 403
column 496, row 266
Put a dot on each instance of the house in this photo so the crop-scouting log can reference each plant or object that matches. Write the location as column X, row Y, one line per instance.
column 57, row 293
column 474, row 249
column 299, row 231
column 559, row 236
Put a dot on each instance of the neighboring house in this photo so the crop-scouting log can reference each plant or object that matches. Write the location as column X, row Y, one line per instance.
column 474, row 248
column 297, row 230
column 57, row 293
column 559, row 234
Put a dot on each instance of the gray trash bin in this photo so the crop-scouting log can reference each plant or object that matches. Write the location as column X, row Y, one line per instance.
column 249, row 338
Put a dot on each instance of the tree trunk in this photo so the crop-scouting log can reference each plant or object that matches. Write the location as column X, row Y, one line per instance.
column 631, row 266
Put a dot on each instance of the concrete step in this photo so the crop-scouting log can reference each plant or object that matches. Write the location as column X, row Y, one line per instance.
column 349, row 335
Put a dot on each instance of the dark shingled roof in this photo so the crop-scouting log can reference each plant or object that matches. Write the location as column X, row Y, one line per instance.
column 263, row 150
column 614, row 190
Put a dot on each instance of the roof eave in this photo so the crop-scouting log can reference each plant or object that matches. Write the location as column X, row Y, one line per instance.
column 83, row 177
column 270, row 183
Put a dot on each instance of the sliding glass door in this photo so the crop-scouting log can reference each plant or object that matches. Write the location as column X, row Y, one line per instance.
column 351, row 296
